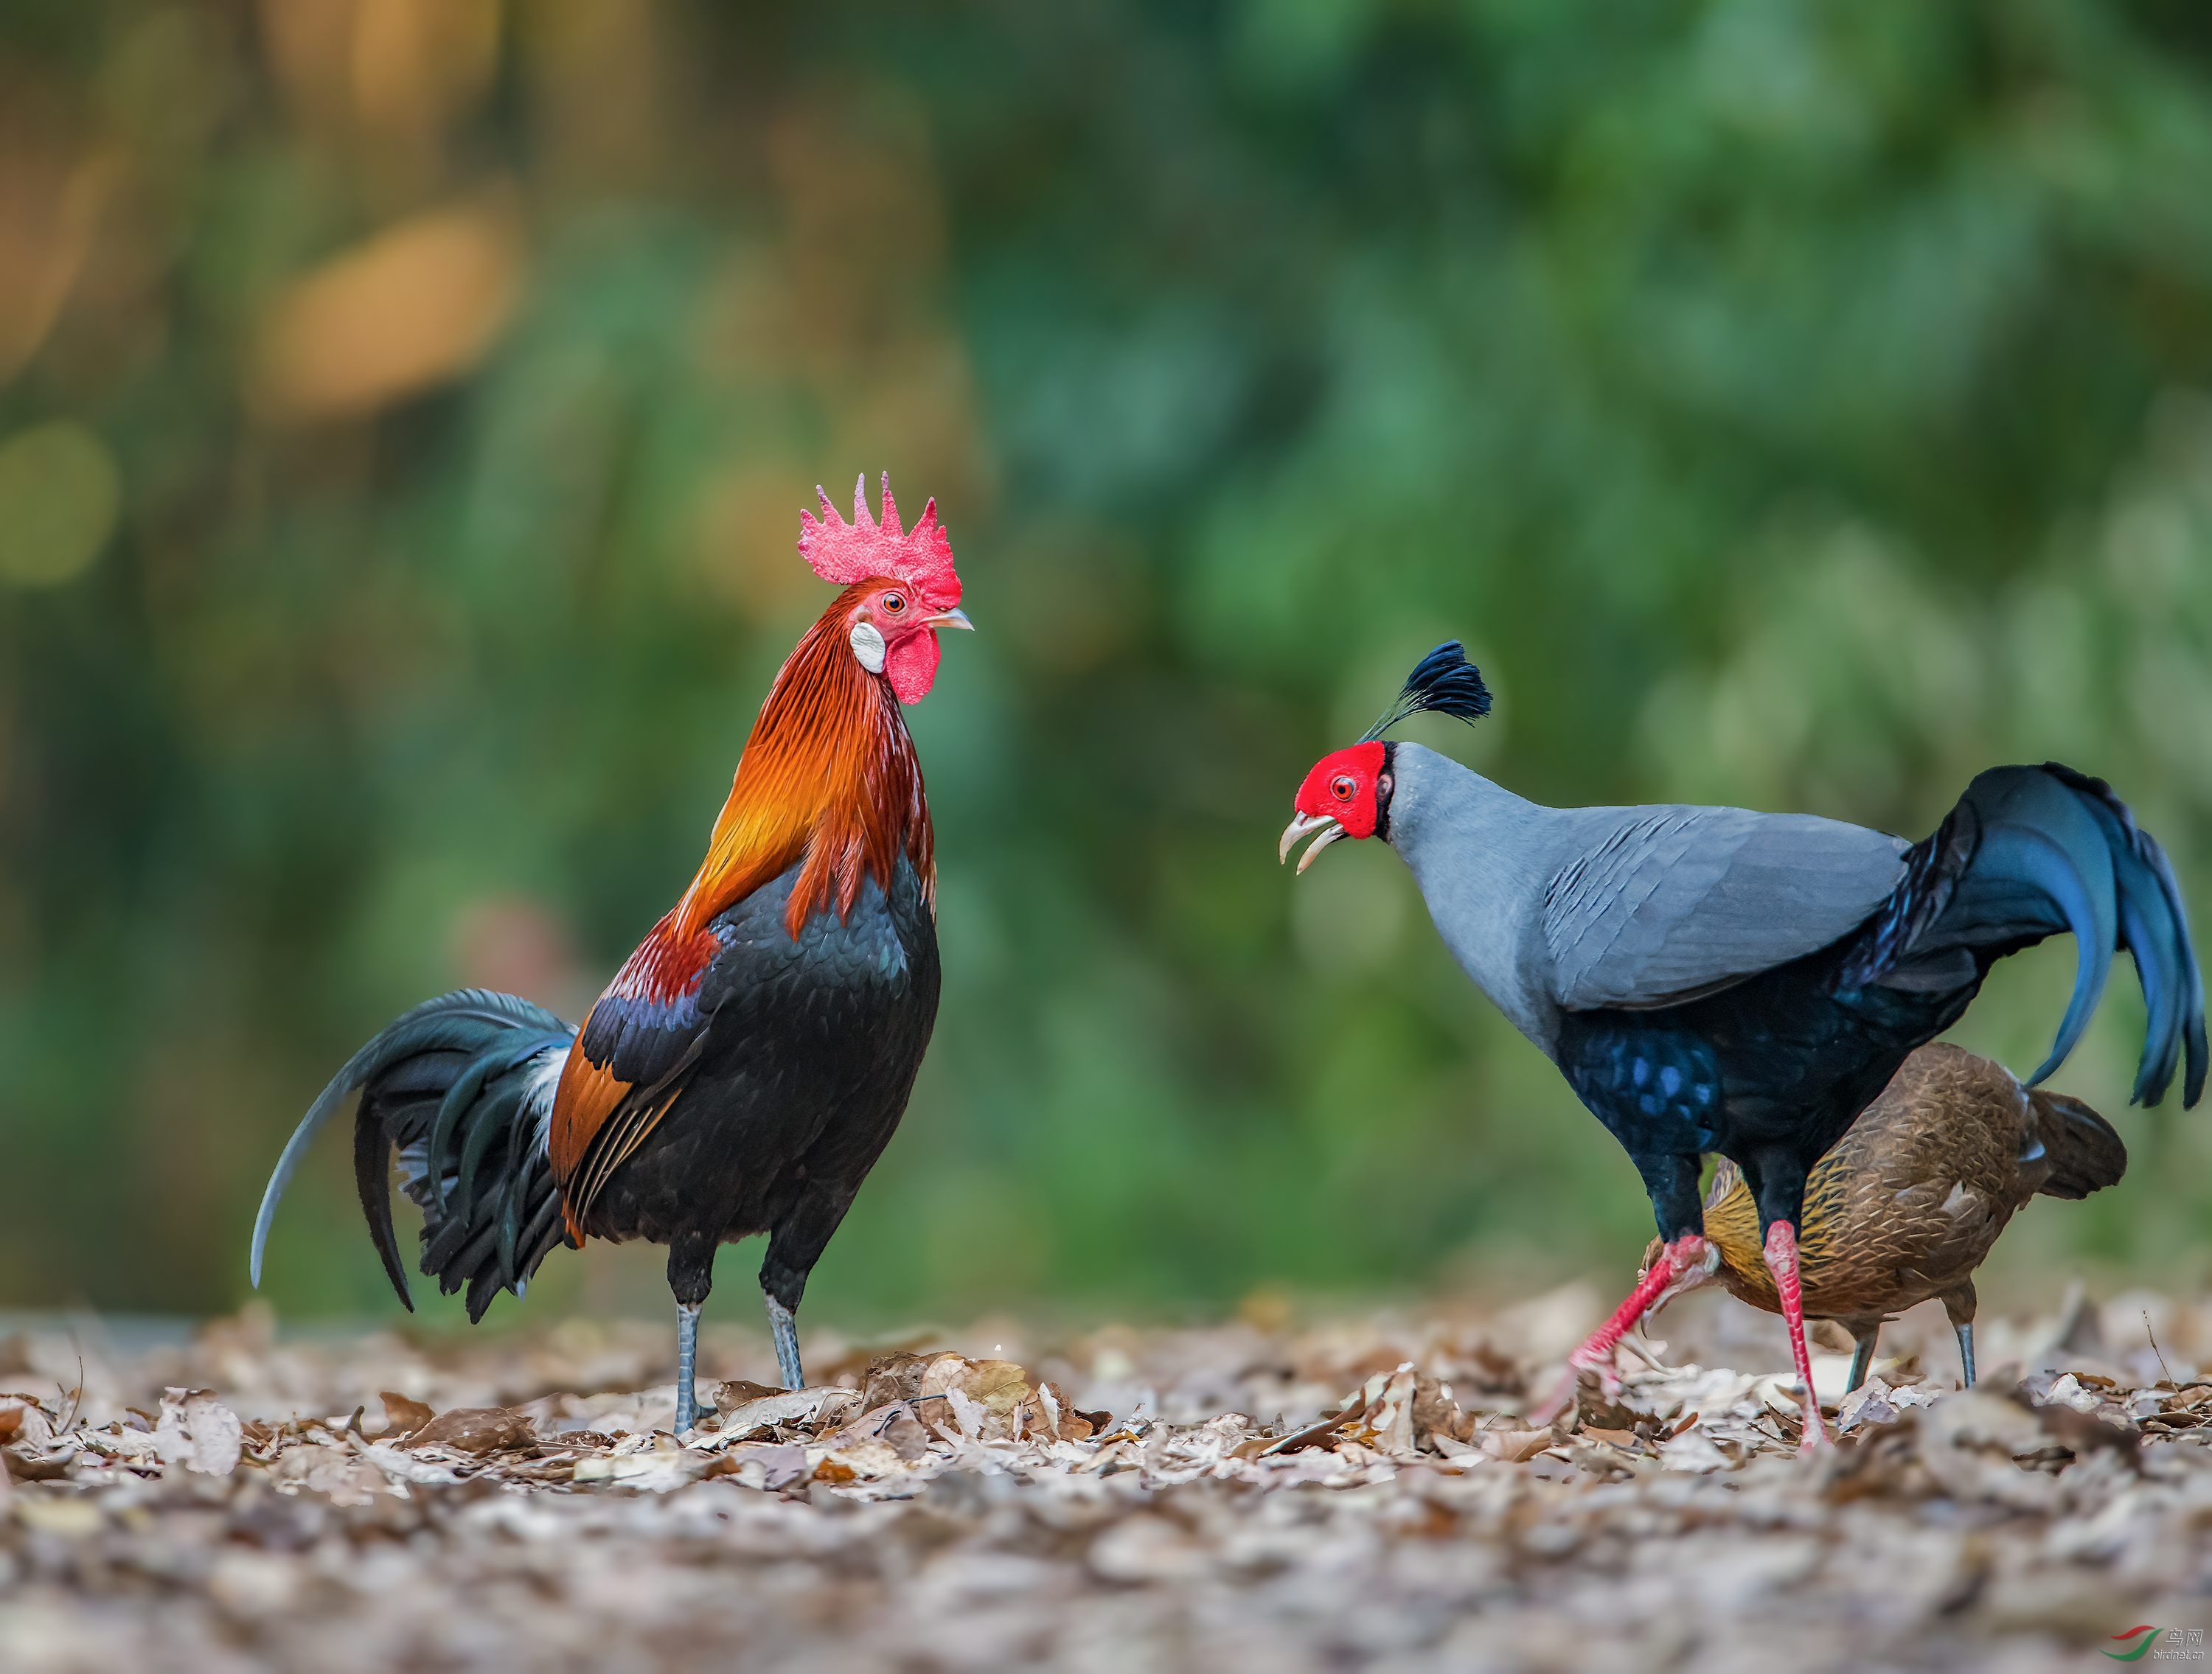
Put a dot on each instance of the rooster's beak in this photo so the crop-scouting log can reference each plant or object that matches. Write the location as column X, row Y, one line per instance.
column 950, row 618
column 1303, row 825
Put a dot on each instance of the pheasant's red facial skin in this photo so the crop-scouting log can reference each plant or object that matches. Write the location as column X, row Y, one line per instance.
column 1342, row 787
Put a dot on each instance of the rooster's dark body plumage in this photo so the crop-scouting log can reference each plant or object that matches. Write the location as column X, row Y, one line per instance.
column 749, row 1061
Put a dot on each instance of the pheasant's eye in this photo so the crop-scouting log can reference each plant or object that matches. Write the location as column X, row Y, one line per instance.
column 1342, row 786
column 893, row 604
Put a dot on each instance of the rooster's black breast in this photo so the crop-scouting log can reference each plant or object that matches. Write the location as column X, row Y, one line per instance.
column 810, row 1049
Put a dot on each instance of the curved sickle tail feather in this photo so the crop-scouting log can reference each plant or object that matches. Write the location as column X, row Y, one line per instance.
column 2035, row 852
column 462, row 1086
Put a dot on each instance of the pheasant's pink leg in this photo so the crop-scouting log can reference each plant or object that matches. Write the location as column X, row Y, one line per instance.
column 1687, row 1254
column 1782, row 1262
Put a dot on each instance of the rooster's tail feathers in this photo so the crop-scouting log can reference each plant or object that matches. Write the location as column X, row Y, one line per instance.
column 2032, row 851
column 462, row 1086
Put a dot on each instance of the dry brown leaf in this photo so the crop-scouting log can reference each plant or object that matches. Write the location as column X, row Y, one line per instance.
column 819, row 1406
column 893, row 1378
column 475, row 1430
column 905, row 1435
column 999, row 1386
column 403, row 1414
column 200, row 1432
column 866, row 1458
column 1515, row 1447
column 1437, row 1414
column 983, row 1400
column 1051, row 1547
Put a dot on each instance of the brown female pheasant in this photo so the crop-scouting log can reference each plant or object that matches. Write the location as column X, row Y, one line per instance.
column 1910, row 1200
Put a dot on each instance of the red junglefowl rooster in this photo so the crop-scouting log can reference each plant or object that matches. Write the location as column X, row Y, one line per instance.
column 1709, row 980
column 748, row 1062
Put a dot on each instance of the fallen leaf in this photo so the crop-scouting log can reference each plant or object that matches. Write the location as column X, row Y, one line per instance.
column 1515, row 1447
column 786, row 1407
column 866, row 1458
column 25, row 1468
column 894, row 1378
column 772, row 1465
column 656, row 1472
column 1435, row 1414
column 475, row 1430
column 403, row 1414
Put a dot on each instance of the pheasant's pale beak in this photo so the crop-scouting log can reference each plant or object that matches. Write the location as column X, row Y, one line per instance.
column 1305, row 825
column 949, row 619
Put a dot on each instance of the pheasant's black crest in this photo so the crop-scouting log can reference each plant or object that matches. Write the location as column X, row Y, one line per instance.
column 1443, row 683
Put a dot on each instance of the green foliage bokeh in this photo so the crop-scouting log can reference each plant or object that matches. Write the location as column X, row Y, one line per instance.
column 406, row 405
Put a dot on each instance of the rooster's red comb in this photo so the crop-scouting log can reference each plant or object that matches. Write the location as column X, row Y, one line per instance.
column 844, row 552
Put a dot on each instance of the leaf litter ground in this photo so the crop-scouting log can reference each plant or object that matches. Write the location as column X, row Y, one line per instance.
column 1360, row 1493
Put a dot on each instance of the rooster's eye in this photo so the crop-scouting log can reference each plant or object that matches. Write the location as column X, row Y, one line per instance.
column 1342, row 786
column 893, row 603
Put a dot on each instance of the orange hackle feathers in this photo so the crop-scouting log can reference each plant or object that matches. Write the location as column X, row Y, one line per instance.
column 828, row 781
column 830, row 772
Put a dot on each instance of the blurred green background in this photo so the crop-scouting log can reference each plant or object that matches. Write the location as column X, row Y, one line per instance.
column 406, row 406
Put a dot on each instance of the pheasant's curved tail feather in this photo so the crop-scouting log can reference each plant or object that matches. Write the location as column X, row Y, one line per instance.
column 2034, row 852
column 461, row 1086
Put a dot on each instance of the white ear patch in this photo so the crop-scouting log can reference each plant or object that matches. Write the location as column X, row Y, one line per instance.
column 868, row 646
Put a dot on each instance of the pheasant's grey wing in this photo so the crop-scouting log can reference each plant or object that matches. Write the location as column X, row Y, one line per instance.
column 1676, row 901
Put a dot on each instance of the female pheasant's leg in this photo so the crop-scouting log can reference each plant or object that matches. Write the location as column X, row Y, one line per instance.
column 1862, row 1354
column 687, row 1360
column 783, row 1326
column 1689, row 1257
column 1961, row 1304
column 1782, row 1263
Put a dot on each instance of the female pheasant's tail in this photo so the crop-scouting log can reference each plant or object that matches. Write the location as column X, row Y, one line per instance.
column 462, row 1086
column 2084, row 1153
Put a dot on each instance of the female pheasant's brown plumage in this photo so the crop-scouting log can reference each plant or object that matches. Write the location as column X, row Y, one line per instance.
column 1910, row 1201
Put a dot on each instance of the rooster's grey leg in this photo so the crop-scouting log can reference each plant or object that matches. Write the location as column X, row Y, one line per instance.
column 1966, row 1351
column 687, row 1359
column 783, row 1326
column 1862, row 1355
column 690, row 1277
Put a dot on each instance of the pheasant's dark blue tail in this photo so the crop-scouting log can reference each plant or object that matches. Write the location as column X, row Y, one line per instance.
column 462, row 1087
column 2034, row 852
